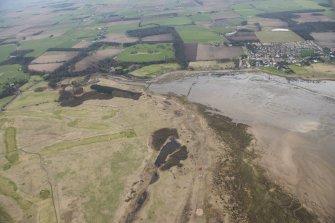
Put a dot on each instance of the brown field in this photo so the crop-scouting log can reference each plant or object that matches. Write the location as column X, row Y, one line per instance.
column 96, row 57
column 126, row 22
column 191, row 51
column 48, row 67
column 82, row 44
column 224, row 15
column 158, row 38
column 54, row 57
column 322, row 68
column 120, row 38
column 271, row 23
column 243, row 36
column 326, row 39
column 310, row 17
column 210, row 65
column 208, row 52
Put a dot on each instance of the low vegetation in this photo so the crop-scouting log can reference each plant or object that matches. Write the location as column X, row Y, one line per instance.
column 256, row 196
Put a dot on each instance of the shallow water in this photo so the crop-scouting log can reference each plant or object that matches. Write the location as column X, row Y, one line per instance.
column 293, row 121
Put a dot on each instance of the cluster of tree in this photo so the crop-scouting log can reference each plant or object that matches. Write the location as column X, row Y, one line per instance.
column 116, row 92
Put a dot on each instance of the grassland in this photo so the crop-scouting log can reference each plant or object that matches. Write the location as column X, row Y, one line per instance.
column 12, row 154
column 122, row 164
column 196, row 34
column 314, row 71
column 143, row 53
column 34, row 99
column 155, row 70
column 11, row 74
column 278, row 36
column 256, row 7
column 9, row 188
column 200, row 18
column 40, row 46
column 5, row 100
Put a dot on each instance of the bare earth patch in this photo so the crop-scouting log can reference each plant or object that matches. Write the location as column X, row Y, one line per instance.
column 271, row 23
column 120, row 38
column 313, row 17
column 95, row 57
column 54, row 57
column 209, row 52
column 326, row 39
column 48, row 67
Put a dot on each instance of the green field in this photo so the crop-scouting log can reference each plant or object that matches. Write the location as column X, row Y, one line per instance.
column 142, row 53
column 256, row 7
column 277, row 37
column 5, row 51
column 155, row 70
column 173, row 21
column 200, row 18
column 11, row 74
column 40, row 46
column 195, row 34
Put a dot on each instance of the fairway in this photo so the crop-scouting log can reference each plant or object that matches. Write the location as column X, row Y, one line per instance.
column 143, row 53
column 11, row 148
column 278, row 36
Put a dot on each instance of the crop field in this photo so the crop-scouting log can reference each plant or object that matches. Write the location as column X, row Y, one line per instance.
column 155, row 70
column 5, row 51
column 278, row 36
column 207, row 52
column 11, row 74
column 174, row 21
column 200, row 17
column 158, row 38
column 120, row 38
column 314, row 71
column 210, row 65
column 195, row 34
column 268, row 23
column 95, row 57
column 325, row 39
column 142, row 53
column 40, row 46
